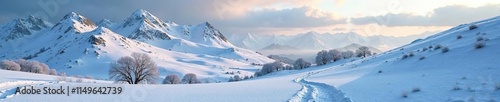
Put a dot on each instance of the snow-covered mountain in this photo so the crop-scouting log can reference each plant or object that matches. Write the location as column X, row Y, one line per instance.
column 107, row 24
column 276, row 46
column 316, row 41
column 78, row 46
column 22, row 27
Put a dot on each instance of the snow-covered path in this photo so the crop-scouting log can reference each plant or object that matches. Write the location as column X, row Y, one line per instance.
column 317, row 92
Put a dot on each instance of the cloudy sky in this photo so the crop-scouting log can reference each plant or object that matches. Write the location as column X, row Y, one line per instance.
column 366, row 17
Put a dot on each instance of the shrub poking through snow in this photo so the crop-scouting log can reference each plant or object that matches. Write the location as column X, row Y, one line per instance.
column 459, row 36
column 437, row 47
column 456, row 87
column 472, row 27
column 479, row 44
column 415, row 89
column 497, row 86
column 445, row 49
column 410, row 54
column 404, row 56
column 424, row 49
column 421, row 58
column 479, row 38
column 10, row 65
column 404, row 94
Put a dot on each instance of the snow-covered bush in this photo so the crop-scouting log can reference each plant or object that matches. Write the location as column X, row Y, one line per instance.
column 479, row 44
column 445, row 49
column 410, row 54
column 334, row 55
column 10, row 65
column 190, row 78
column 473, row 26
column 437, row 47
column 270, row 67
column 456, row 87
column 404, row 94
column 347, row 54
column 62, row 77
column 415, row 89
column 404, row 56
column 172, row 79
column 424, row 49
column 236, row 78
column 301, row 64
column 421, row 58
column 322, row 57
column 33, row 66
column 79, row 80
column 479, row 38
column 52, row 72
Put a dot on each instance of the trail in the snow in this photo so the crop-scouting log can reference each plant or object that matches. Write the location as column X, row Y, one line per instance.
column 317, row 92
column 8, row 89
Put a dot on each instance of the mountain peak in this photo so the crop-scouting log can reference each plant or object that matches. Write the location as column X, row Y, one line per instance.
column 23, row 26
column 75, row 22
column 106, row 23
column 141, row 12
column 143, row 17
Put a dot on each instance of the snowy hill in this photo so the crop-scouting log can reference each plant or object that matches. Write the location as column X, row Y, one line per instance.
column 458, row 71
column 77, row 46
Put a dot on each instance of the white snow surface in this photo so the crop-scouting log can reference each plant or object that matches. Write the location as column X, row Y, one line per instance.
column 381, row 78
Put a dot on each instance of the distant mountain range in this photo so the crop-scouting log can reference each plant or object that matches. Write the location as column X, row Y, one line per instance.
column 316, row 41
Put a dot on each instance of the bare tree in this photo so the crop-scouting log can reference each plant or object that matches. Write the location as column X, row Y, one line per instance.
column 190, row 78
column 363, row 51
column 347, row 54
column 10, row 65
column 172, row 79
column 139, row 68
column 270, row 67
column 334, row 55
column 301, row 64
column 322, row 57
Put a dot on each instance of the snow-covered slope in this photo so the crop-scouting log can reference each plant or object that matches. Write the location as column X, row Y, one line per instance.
column 107, row 24
column 464, row 73
column 77, row 46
